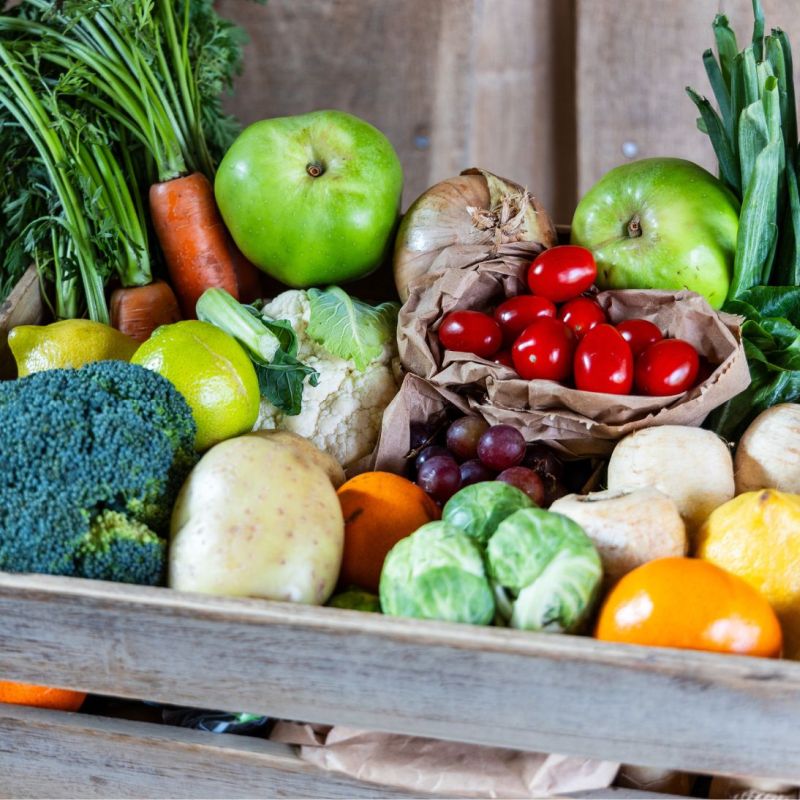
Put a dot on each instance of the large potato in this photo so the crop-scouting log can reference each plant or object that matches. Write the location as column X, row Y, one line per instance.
column 308, row 450
column 256, row 519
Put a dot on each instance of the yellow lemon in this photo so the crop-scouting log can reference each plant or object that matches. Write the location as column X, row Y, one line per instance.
column 69, row 343
column 212, row 371
column 757, row 537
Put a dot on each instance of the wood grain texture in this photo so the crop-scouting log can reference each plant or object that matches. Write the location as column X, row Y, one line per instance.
column 634, row 60
column 23, row 306
column 56, row 754
column 666, row 708
column 453, row 83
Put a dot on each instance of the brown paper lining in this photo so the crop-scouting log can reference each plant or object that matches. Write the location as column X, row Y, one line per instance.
column 575, row 422
column 431, row 766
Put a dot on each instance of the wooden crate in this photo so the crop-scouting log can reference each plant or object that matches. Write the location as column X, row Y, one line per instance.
column 698, row 712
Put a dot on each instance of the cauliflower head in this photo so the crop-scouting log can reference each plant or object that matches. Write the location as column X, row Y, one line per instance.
column 342, row 414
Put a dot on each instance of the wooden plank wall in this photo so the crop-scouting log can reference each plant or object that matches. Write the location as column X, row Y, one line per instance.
column 551, row 93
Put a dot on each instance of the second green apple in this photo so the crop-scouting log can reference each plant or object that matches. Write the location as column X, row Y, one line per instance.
column 311, row 199
column 660, row 223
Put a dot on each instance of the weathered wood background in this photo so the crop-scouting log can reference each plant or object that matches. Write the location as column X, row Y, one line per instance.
column 551, row 93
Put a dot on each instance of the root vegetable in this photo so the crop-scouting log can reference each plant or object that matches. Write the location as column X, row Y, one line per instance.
column 306, row 449
column 768, row 456
column 255, row 519
column 691, row 465
column 628, row 528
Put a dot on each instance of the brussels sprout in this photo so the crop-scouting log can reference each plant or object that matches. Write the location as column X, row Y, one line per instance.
column 546, row 571
column 356, row 599
column 437, row 573
column 478, row 509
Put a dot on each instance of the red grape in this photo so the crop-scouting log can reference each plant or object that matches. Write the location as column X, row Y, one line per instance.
column 475, row 471
column 501, row 447
column 422, row 433
column 543, row 459
column 525, row 480
column 430, row 452
column 463, row 435
column 440, row 477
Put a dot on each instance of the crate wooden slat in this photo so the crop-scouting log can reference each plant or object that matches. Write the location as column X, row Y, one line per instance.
column 49, row 753
column 680, row 709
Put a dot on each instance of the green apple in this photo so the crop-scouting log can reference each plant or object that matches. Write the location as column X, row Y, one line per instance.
column 311, row 199
column 660, row 223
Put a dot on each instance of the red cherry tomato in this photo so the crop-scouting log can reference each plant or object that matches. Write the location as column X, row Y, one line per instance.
column 581, row 315
column 562, row 272
column 504, row 358
column 603, row 362
column 471, row 332
column 516, row 313
column 639, row 334
column 544, row 350
column 666, row 367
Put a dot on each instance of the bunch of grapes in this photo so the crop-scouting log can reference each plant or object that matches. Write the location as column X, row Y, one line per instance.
column 447, row 457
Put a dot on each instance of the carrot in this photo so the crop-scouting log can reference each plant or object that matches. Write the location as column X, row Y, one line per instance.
column 248, row 275
column 193, row 237
column 139, row 310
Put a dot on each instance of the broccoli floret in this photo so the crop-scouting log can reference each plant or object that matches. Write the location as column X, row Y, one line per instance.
column 118, row 548
column 76, row 444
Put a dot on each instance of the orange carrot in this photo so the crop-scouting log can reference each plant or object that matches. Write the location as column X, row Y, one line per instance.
column 248, row 275
column 193, row 237
column 139, row 310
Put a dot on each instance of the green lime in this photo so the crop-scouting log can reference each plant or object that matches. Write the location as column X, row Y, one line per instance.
column 69, row 343
column 212, row 371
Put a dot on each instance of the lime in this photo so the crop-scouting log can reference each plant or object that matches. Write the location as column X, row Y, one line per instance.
column 69, row 343
column 212, row 371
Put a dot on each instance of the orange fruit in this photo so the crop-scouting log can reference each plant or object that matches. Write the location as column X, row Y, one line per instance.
column 26, row 694
column 689, row 603
column 379, row 509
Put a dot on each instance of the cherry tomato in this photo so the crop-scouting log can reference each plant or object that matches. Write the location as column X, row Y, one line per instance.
column 471, row 332
column 503, row 357
column 516, row 313
column 562, row 272
column 666, row 367
column 544, row 350
column 604, row 362
column 581, row 315
column 639, row 334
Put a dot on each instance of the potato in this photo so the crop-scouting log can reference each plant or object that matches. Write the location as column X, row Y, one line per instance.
column 308, row 450
column 256, row 519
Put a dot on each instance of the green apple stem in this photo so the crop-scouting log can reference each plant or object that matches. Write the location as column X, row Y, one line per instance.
column 634, row 227
column 315, row 169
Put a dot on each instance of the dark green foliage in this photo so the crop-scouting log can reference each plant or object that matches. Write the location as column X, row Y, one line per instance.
column 111, row 436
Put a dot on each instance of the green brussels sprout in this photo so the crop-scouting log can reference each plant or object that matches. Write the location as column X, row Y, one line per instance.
column 356, row 599
column 546, row 571
column 437, row 573
column 478, row 509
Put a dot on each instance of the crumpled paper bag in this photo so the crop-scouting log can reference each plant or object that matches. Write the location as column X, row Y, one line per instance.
column 431, row 766
column 577, row 423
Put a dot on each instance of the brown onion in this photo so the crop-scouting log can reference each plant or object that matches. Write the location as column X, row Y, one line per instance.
column 476, row 208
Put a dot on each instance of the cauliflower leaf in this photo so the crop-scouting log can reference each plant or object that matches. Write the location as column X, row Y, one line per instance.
column 349, row 328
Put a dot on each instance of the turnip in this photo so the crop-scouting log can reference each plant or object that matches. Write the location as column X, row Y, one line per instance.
column 693, row 466
column 628, row 528
column 768, row 456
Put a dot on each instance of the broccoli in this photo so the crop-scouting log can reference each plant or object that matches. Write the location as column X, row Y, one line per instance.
column 91, row 461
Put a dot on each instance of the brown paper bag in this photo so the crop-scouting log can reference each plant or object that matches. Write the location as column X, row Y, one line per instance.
column 430, row 766
column 578, row 423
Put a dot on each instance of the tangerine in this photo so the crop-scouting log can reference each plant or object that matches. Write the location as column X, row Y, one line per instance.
column 689, row 603
column 27, row 694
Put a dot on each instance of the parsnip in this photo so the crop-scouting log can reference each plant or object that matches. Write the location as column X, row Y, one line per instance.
column 693, row 466
column 628, row 528
column 768, row 456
